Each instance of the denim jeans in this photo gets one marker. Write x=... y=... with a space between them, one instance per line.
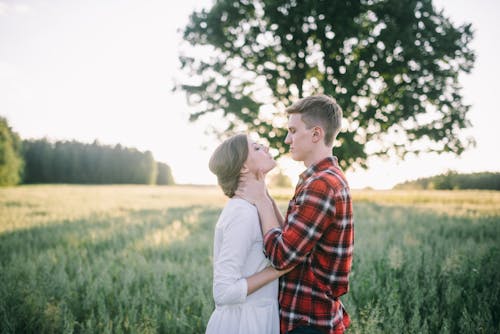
x=305 y=330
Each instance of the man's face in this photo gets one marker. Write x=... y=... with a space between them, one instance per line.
x=299 y=138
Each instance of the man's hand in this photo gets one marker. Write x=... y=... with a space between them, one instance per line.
x=252 y=187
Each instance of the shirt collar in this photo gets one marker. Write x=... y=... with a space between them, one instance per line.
x=319 y=166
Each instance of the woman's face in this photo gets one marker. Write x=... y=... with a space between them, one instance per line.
x=258 y=158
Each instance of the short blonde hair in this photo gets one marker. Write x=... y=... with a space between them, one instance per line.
x=227 y=161
x=320 y=110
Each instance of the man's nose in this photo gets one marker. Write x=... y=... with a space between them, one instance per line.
x=287 y=139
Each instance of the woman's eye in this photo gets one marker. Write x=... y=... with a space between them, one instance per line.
x=258 y=147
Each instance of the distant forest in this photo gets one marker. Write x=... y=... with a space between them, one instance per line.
x=42 y=161
x=74 y=162
x=453 y=180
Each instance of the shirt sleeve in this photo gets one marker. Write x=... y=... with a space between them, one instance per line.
x=306 y=221
x=230 y=287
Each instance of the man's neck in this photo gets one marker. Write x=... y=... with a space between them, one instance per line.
x=318 y=156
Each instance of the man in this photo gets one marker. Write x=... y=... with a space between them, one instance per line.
x=317 y=235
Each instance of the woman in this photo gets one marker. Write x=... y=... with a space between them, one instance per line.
x=245 y=287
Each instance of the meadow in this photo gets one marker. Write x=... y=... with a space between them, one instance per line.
x=137 y=259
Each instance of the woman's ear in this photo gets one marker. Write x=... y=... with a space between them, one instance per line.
x=244 y=169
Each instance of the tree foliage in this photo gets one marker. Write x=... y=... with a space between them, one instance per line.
x=164 y=176
x=453 y=180
x=392 y=65
x=74 y=162
x=280 y=180
x=11 y=163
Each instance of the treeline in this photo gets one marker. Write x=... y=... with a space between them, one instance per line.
x=11 y=161
x=42 y=161
x=453 y=180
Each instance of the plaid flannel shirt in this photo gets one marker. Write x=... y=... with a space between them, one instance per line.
x=317 y=238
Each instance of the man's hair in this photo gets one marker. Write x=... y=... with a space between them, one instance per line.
x=227 y=160
x=319 y=110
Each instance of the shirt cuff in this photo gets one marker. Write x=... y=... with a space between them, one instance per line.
x=243 y=289
x=268 y=237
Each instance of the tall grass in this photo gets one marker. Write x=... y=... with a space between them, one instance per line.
x=421 y=271
x=136 y=259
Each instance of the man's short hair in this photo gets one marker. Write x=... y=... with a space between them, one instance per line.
x=319 y=110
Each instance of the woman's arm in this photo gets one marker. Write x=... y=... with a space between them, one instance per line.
x=263 y=277
x=240 y=231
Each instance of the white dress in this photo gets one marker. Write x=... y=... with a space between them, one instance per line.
x=238 y=254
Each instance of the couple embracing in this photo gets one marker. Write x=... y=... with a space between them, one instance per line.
x=277 y=274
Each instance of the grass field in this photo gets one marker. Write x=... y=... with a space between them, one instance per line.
x=137 y=259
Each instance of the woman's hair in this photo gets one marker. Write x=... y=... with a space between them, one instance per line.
x=227 y=160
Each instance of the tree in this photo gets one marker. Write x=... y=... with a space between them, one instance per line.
x=164 y=176
x=453 y=180
x=74 y=162
x=392 y=65
x=39 y=161
x=11 y=162
x=280 y=180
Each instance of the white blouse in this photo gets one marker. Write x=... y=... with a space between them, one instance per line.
x=238 y=253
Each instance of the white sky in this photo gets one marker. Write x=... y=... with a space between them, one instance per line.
x=104 y=69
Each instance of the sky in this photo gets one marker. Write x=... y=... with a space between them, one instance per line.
x=105 y=70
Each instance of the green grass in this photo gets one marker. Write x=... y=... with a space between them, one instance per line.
x=137 y=259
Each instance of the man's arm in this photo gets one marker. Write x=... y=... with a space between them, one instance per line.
x=269 y=219
x=277 y=212
x=308 y=217
x=291 y=245
x=253 y=189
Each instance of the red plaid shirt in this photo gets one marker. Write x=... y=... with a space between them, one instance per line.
x=317 y=238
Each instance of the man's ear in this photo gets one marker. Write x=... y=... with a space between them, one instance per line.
x=317 y=134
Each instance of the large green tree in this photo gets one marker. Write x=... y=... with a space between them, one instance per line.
x=392 y=65
x=11 y=162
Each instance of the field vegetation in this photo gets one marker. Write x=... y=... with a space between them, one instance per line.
x=137 y=259
x=453 y=181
